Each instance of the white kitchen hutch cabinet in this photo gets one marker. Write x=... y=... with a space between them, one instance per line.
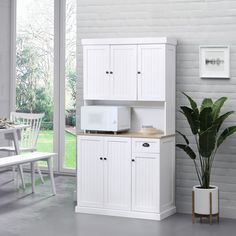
x=129 y=174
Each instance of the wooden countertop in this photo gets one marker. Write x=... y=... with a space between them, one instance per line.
x=127 y=135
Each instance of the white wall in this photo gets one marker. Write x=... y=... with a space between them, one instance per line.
x=192 y=23
x=5 y=60
x=5 y=27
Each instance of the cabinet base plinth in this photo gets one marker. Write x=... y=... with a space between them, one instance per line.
x=130 y=214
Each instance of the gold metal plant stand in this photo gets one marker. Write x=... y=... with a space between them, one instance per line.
x=201 y=216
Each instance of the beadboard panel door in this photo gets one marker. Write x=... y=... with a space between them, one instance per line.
x=124 y=72
x=151 y=72
x=91 y=169
x=145 y=182
x=117 y=173
x=96 y=72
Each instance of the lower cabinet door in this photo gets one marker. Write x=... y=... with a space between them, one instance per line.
x=90 y=171
x=117 y=173
x=145 y=182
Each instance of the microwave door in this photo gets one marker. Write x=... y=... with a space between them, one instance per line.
x=95 y=120
x=98 y=120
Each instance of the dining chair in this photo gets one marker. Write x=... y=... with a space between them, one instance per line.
x=29 y=136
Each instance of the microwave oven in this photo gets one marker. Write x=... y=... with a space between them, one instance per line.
x=105 y=118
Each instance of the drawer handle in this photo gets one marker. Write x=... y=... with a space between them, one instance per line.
x=146 y=145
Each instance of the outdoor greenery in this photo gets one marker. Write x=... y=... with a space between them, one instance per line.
x=45 y=144
x=205 y=123
x=33 y=89
x=35 y=58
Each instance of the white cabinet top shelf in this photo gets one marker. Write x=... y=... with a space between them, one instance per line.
x=117 y=41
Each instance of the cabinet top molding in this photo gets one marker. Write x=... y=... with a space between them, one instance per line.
x=105 y=41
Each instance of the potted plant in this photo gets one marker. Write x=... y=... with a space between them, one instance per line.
x=205 y=123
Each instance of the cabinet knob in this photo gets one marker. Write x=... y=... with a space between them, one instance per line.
x=101 y=158
x=107 y=72
x=133 y=160
x=111 y=72
x=105 y=158
x=139 y=72
x=146 y=145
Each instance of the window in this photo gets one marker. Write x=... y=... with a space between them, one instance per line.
x=41 y=28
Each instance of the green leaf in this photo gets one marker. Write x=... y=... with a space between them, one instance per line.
x=188 y=150
x=207 y=102
x=219 y=121
x=225 y=134
x=185 y=138
x=192 y=118
x=217 y=107
x=191 y=101
x=205 y=118
x=207 y=141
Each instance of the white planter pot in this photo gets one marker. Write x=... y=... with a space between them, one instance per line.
x=202 y=200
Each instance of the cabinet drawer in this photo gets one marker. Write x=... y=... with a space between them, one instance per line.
x=145 y=145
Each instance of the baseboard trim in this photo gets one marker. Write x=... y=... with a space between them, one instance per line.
x=129 y=214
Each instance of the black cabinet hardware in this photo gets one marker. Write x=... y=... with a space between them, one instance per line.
x=111 y=72
x=101 y=158
x=146 y=145
x=105 y=158
x=107 y=72
x=139 y=72
x=133 y=160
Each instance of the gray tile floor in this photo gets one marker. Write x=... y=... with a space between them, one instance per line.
x=26 y=214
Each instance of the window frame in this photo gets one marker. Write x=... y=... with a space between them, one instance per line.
x=58 y=81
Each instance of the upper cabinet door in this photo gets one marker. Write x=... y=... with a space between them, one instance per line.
x=117 y=173
x=151 y=72
x=124 y=72
x=96 y=72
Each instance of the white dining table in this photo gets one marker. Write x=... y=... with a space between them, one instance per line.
x=13 y=133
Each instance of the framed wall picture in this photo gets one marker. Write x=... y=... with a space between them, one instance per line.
x=214 y=61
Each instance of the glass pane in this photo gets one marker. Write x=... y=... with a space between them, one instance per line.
x=70 y=86
x=35 y=64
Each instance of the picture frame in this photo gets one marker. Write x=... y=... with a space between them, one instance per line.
x=214 y=62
